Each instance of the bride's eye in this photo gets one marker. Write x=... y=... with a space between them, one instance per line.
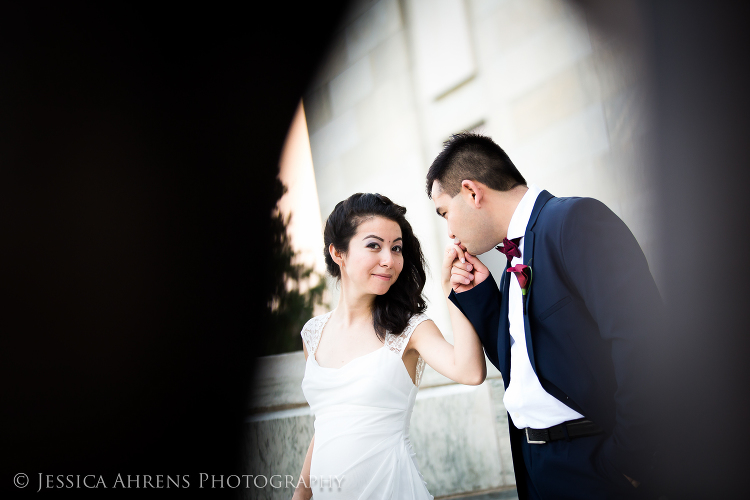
x=398 y=249
x=373 y=245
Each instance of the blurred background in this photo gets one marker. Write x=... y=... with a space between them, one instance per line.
x=151 y=305
x=565 y=98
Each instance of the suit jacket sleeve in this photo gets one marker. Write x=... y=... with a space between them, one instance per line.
x=481 y=306
x=607 y=267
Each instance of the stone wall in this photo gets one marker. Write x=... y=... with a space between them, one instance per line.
x=565 y=102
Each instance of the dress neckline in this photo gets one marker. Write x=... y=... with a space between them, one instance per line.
x=348 y=362
x=320 y=336
x=312 y=355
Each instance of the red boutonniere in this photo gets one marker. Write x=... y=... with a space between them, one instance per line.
x=523 y=273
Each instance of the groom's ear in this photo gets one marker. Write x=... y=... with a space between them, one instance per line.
x=473 y=191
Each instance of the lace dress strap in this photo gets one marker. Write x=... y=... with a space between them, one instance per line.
x=312 y=330
x=397 y=343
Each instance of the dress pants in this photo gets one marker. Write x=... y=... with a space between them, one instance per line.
x=573 y=470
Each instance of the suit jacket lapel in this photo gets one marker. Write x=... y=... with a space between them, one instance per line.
x=503 y=338
x=528 y=258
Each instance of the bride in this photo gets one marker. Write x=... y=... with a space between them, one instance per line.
x=365 y=358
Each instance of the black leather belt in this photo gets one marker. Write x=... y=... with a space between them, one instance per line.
x=575 y=428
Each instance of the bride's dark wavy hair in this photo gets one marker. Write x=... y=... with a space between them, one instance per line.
x=392 y=310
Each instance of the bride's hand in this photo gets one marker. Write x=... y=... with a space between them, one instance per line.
x=461 y=276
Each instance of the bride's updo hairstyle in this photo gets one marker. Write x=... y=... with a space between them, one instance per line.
x=392 y=310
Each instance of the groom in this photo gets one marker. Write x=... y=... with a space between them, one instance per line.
x=569 y=323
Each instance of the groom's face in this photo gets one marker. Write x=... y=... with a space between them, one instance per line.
x=466 y=223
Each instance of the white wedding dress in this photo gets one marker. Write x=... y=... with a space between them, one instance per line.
x=362 y=412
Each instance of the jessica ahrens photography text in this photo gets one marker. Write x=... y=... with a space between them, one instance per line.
x=172 y=481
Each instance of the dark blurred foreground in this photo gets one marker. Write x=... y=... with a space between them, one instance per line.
x=138 y=150
x=703 y=160
x=138 y=147
x=700 y=94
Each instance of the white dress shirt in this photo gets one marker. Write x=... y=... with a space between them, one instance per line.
x=528 y=404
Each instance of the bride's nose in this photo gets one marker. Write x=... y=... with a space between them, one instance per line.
x=386 y=258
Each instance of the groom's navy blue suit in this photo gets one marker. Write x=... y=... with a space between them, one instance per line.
x=592 y=310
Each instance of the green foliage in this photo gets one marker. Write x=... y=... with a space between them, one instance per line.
x=295 y=290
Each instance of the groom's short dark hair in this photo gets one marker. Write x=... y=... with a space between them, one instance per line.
x=474 y=157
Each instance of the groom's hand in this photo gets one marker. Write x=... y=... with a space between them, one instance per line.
x=462 y=276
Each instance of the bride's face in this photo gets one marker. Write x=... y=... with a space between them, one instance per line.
x=374 y=259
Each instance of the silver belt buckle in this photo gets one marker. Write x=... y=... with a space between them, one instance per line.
x=528 y=439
